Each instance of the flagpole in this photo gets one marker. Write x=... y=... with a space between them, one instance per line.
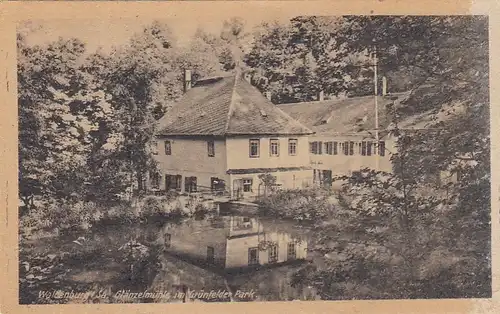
x=375 y=82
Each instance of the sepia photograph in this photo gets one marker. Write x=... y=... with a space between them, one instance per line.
x=309 y=158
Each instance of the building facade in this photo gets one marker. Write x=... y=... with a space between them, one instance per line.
x=223 y=135
x=346 y=138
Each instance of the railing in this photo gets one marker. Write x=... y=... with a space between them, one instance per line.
x=200 y=190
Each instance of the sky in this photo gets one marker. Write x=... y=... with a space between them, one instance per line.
x=107 y=33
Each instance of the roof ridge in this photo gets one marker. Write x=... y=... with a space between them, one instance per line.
x=211 y=79
x=335 y=101
x=286 y=115
x=231 y=105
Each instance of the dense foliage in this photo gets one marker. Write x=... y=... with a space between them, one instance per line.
x=422 y=231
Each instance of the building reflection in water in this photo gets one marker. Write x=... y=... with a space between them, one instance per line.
x=233 y=243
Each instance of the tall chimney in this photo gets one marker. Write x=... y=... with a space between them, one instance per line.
x=187 y=80
x=268 y=95
x=384 y=86
x=321 y=95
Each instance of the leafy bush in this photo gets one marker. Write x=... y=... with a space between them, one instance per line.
x=62 y=217
x=152 y=205
x=308 y=205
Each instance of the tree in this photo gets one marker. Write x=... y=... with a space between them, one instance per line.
x=301 y=58
x=402 y=231
x=268 y=181
x=61 y=110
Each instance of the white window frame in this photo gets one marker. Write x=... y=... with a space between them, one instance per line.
x=274 y=144
x=292 y=142
x=257 y=144
x=248 y=182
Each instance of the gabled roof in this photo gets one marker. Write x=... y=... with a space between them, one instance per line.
x=225 y=106
x=346 y=116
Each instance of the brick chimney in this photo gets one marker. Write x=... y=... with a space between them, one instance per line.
x=268 y=95
x=384 y=86
x=187 y=80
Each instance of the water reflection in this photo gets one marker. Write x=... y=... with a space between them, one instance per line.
x=239 y=254
x=234 y=243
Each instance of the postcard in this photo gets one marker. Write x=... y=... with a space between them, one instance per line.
x=281 y=156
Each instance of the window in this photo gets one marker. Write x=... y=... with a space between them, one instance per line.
x=155 y=180
x=211 y=148
x=178 y=182
x=363 y=148
x=242 y=223
x=168 y=148
x=327 y=178
x=217 y=184
x=173 y=182
x=329 y=148
x=167 y=239
x=273 y=253
x=381 y=148
x=253 y=256
x=190 y=184
x=254 y=148
x=291 y=254
x=274 y=148
x=213 y=183
x=154 y=148
x=316 y=148
x=247 y=185
x=292 y=147
x=169 y=182
x=210 y=255
x=335 y=149
x=348 y=148
x=366 y=148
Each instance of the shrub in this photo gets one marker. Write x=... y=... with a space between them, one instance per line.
x=62 y=216
x=301 y=205
x=152 y=206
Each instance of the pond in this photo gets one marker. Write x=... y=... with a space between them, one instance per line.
x=250 y=257
x=214 y=258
